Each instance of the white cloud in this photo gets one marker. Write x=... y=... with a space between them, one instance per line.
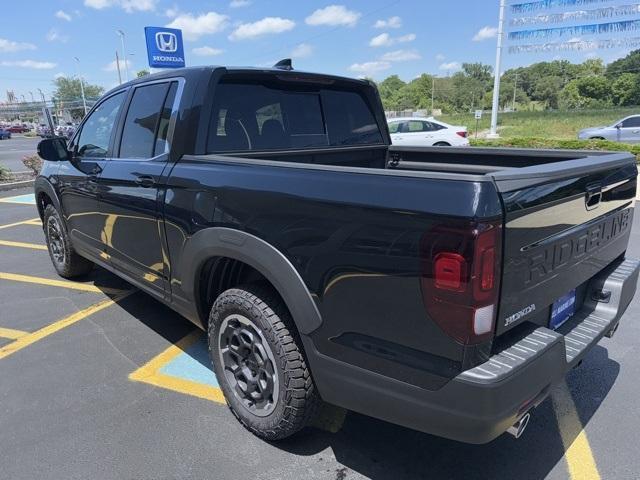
x=266 y=26
x=172 y=12
x=193 y=27
x=302 y=50
x=239 y=3
x=370 y=68
x=440 y=57
x=28 y=64
x=10 y=46
x=386 y=40
x=400 y=56
x=382 y=40
x=333 y=15
x=113 y=66
x=485 y=33
x=392 y=22
x=206 y=51
x=62 y=15
x=128 y=6
x=450 y=66
x=54 y=35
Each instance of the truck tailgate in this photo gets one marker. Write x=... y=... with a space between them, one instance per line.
x=564 y=223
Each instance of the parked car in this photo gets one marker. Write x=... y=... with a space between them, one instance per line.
x=18 y=129
x=67 y=130
x=444 y=289
x=626 y=130
x=426 y=132
x=43 y=131
x=4 y=133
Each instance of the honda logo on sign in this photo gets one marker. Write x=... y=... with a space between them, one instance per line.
x=164 y=47
x=166 y=42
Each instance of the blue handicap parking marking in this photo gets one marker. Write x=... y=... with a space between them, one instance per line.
x=193 y=365
x=28 y=199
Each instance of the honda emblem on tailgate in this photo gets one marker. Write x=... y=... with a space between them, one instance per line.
x=166 y=42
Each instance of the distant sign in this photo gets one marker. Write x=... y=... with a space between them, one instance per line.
x=164 y=47
x=478 y=114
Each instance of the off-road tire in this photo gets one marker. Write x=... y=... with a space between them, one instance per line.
x=297 y=398
x=65 y=260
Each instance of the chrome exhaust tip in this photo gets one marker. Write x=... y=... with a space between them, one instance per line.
x=517 y=429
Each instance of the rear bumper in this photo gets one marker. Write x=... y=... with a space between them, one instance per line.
x=481 y=403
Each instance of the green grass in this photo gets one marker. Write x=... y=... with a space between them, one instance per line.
x=542 y=124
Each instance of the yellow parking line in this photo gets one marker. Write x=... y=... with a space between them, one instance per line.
x=12 y=334
x=85 y=287
x=23 y=222
x=38 y=335
x=150 y=373
x=578 y=454
x=33 y=246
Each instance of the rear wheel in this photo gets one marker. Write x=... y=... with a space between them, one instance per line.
x=65 y=260
x=259 y=362
x=441 y=144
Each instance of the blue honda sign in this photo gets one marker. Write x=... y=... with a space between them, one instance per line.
x=164 y=47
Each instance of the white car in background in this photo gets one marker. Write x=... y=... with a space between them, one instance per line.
x=426 y=132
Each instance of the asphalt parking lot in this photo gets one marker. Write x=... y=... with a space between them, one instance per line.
x=12 y=150
x=100 y=381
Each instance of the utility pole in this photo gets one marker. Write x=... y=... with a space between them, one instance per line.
x=118 y=67
x=84 y=100
x=496 y=73
x=124 y=54
x=515 y=89
x=433 y=90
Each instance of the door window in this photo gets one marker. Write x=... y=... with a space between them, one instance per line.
x=162 y=140
x=93 y=141
x=632 y=122
x=143 y=118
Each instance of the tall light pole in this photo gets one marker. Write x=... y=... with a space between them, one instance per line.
x=496 y=73
x=84 y=100
x=32 y=100
x=515 y=89
x=433 y=91
x=124 y=55
x=44 y=100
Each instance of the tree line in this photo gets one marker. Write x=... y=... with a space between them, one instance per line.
x=559 y=84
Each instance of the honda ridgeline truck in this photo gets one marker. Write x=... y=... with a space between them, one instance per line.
x=443 y=289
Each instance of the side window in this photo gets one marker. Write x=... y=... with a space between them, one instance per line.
x=632 y=122
x=393 y=127
x=93 y=141
x=416 y=126
x=162 y=142
x=141 y=122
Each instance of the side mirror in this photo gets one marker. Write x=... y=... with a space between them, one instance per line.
x=619 y=126
x=53 y=149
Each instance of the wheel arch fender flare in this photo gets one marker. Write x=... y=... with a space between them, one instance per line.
x=255 y=252
x=42 y=185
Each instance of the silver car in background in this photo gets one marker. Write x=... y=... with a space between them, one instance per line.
x=626 y=130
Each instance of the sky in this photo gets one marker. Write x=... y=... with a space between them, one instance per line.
x=40 y=38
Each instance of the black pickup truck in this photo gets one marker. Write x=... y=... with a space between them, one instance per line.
x=446 y=290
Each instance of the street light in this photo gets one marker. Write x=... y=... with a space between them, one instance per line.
x=124 y=54
x=496 y=82
x=84 y=101
x=44 y=100
x=32 y=100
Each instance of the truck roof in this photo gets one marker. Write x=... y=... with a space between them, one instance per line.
x=210 y=69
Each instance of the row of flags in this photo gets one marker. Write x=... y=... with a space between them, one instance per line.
x=550 y=35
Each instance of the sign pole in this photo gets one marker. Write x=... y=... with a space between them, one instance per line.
x=496 y=82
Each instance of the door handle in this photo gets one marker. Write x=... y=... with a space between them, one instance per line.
x=145 y=181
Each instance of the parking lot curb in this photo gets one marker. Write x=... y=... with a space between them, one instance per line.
x=14 y=185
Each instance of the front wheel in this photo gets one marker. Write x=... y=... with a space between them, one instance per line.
x=65 y=260
x=441 y=144
x=258 y=360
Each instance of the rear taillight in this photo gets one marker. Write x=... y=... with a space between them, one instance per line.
x=460 y=278
x=462 y=134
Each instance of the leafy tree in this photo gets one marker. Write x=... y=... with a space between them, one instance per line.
x=587 y=92
x=547 y=90
x=625 y=90
x=142 y=73
x=478 y=71
x=68 y=91
x=628 y=64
